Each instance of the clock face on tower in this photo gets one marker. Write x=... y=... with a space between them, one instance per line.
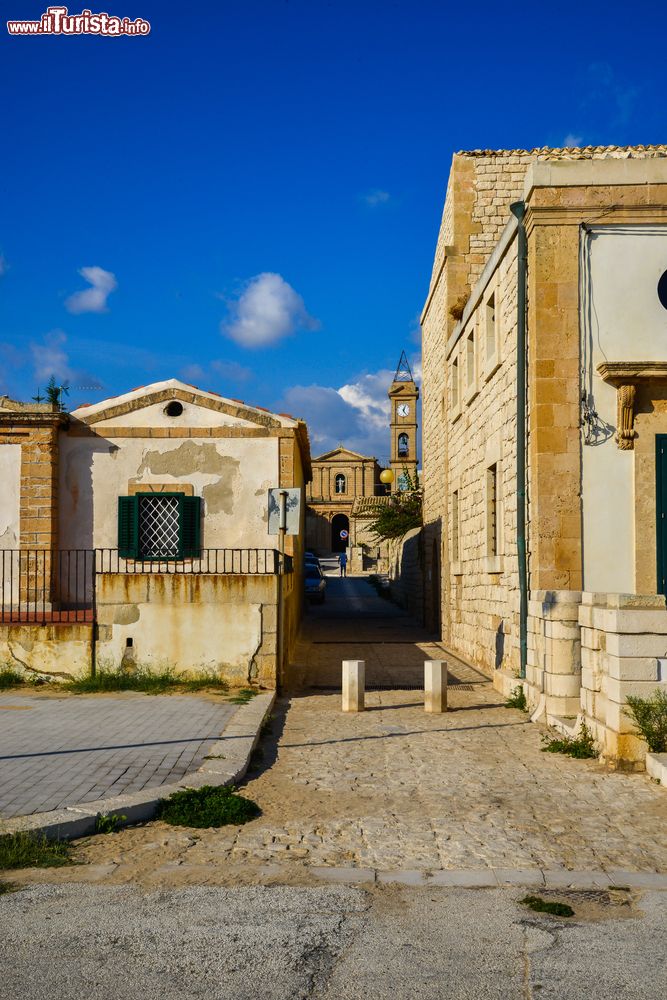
x=403 y=409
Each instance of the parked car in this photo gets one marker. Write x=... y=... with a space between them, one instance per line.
x=315 y=584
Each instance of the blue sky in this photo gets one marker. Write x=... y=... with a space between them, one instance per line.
x=249 y=197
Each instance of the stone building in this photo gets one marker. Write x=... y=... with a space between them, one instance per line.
x=545 y=405
x=346 y=489
x=135 y=530
x=340 y=477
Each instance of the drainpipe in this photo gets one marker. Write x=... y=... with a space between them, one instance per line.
x=518 y=209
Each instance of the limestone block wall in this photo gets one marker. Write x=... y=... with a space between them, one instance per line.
x=553 y=669
x=405 y=572
x=623 y=652
x=480 y=591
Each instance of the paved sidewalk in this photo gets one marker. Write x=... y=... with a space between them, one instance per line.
x=460 y=799
x=57 y=752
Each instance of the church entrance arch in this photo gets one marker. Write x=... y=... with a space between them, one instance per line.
x=339 y=522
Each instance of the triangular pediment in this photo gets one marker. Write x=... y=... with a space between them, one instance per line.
x=342 y=454
x=147 y=406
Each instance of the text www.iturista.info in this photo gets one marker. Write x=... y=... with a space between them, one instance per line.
x=58 y=21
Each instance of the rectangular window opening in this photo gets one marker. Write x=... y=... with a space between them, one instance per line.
x=455 y=384
x=456 y=538
x=491 y=328
x=493 y=519
x=470 y=359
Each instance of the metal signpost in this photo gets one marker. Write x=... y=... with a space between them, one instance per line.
x=284 y=519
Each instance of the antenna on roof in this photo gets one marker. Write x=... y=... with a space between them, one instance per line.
x=403 y=372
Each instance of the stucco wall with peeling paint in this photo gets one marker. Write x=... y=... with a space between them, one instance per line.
x=232 y=475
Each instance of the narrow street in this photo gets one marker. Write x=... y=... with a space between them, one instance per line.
x=389 y=859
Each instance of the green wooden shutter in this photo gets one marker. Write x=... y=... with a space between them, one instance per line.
x=190 y=527
x=128 y=527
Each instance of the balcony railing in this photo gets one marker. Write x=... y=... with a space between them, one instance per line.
x=46 y=587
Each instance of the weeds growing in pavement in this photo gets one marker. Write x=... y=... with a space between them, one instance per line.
x=143 y=679
x=581 y=746
x=6 y=887
x=10 y=678
x=25 y=850
x=517 y=699
x=540 y=905
x=207 y=807
x=243 y=696
x=108 y=822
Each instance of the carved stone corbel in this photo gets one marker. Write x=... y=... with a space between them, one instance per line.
x=625 y=421
x=626 y=376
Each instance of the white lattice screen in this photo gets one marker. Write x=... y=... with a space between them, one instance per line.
x=158 y=527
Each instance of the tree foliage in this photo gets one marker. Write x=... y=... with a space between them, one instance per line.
x=402 y=512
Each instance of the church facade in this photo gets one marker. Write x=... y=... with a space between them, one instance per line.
x=347 y=488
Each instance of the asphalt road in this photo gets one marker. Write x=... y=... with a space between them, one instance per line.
x=328 y=943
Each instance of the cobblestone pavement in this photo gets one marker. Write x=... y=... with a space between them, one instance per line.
x=56 y=752
x=396 y=789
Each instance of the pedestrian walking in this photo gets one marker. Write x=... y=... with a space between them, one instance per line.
x=342 y=562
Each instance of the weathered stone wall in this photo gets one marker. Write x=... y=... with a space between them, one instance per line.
x=225 y=624
x=406 y=572
x=623 y=652
x=59 y=650
x=481 y=431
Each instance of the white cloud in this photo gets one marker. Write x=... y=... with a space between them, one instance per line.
x=93 y=299
x=3 y=265
x=357 y=414
x=376 y=197
x=49 y=357
x=267 y=311
x=230 y=371
x=572 y=140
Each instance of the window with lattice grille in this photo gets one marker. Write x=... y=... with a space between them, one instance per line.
x=159 y=526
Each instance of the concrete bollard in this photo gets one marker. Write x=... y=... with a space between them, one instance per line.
x=354 y=683
x=435 y=685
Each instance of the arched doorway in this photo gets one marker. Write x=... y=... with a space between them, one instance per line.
x=339 y=522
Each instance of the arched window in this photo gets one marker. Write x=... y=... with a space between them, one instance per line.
x=403 y=446
x=340 y=483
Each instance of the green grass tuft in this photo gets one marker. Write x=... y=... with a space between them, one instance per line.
x=6 y=887
x=24 y=850
x=517 y=699
x=207 y=807
x=243 y=696
x=143 y=679
x=10 y=678
x=650 y=717
x=108 y=822
x=581 y=746
x=540 y=905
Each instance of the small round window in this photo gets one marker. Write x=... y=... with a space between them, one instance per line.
x=662 y=290
x=173 y=409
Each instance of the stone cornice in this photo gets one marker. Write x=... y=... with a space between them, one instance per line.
x=622 y=372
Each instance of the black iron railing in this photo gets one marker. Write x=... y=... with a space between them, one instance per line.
x=44 y=586
x=40 y=586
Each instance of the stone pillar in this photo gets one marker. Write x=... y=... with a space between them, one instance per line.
x=623 y=652
x=435 y=685
x=354 y=683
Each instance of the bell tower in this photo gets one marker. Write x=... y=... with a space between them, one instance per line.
x=403 y=396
